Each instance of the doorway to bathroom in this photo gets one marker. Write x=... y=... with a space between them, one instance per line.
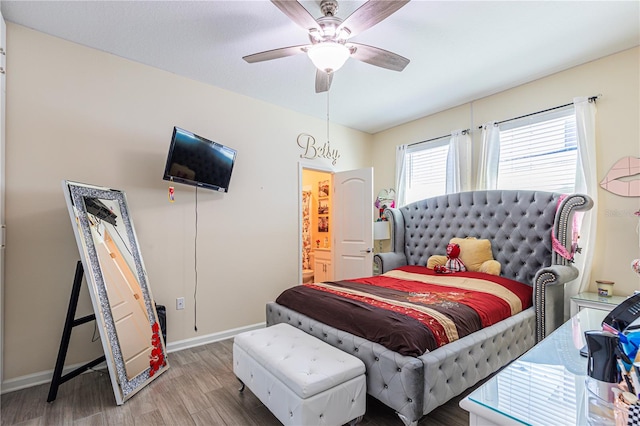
x=336 y=218
x=316 y=232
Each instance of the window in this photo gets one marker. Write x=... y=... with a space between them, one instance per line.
x=539 y=152
x=426 y=170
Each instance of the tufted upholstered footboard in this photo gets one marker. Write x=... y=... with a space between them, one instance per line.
x=415 y=386
x=453 y=368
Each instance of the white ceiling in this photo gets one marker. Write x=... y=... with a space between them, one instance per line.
x=459 y=50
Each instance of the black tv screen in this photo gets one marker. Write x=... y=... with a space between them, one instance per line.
x=194 y=160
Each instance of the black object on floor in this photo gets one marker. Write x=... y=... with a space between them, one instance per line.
x=162 y=319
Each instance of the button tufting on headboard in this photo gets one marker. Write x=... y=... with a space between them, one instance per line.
x=515 y=222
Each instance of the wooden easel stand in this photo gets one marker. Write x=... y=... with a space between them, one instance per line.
x=69 y=323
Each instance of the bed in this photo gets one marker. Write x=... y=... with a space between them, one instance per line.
x=414 y=380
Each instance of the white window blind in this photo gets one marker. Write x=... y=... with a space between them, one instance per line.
x=539 y=152
x=426 y=170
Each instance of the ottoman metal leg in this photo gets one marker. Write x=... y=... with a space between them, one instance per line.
x=355 y=421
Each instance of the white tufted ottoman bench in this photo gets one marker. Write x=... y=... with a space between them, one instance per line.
x=302 y=380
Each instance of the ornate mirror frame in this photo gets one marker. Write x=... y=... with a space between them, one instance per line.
x=97 y=213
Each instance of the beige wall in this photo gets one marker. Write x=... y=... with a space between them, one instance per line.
x=617 y=78
x=84 y=115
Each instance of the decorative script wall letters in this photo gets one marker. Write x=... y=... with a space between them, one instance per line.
x=312 y=151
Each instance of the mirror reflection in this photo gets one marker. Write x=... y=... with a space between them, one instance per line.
x=123 y=290
x=125 y=312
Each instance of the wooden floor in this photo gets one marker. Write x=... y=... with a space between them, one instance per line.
x=199 y=388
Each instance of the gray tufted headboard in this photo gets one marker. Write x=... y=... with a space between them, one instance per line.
x=518 y=224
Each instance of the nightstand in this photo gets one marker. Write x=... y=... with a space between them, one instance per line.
x=593 y=300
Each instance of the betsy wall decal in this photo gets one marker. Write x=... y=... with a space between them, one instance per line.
x=313 y=150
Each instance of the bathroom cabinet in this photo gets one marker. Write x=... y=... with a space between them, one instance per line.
x=322 y=268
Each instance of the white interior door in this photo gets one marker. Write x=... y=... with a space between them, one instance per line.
x=353 y=223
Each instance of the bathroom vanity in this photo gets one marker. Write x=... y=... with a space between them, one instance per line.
x=322 y=267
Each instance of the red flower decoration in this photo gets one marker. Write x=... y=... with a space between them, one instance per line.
x=156 y=359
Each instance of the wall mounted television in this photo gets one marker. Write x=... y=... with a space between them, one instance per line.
x=194 y=160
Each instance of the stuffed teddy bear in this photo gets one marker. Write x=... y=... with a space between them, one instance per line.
x=475 y=254
x=453 y=263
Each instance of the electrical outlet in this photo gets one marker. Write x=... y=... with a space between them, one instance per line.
x=180 y=303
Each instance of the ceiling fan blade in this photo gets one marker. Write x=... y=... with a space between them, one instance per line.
x=323 y=81
x=297 y=13
x=378 y=57
x=276 y=53
x=369 y=14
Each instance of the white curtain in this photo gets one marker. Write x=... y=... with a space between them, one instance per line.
x=586 y=183
x=401 y=193
x=459 y=162
x=489 y=157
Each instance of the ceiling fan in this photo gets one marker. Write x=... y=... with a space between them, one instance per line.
x=329 y=35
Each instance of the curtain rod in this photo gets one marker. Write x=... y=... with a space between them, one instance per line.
x=464 y=132
x=591 y=99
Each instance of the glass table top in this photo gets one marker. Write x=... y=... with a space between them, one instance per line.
x=546 y=385
x=595 y=297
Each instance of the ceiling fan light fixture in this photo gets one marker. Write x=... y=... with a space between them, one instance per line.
x=328 y=56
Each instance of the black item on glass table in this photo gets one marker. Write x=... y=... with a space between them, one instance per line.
x=623 y=315
x=602 y=364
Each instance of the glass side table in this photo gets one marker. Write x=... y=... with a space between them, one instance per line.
x=545 y=386
x=594 y=301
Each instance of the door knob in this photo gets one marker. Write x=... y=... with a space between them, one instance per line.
x=369 y=250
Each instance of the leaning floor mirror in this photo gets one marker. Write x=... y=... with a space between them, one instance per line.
x=125 y=312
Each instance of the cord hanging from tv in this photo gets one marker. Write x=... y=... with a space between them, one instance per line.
x=197 y=161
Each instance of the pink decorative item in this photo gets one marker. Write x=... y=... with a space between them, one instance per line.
x=385 y=198
x=614 y=180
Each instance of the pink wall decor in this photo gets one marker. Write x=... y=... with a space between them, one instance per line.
x=627 y=166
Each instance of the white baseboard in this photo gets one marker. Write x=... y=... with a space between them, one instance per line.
x=210 y=338
x=42 y=377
